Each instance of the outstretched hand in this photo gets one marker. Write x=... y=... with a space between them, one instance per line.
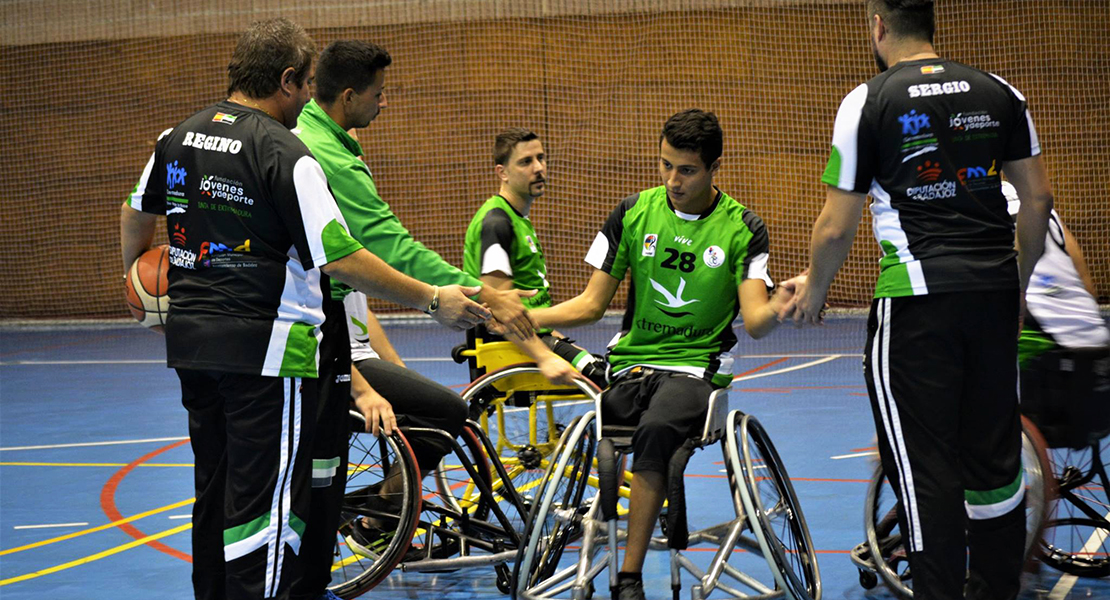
x=506 y=307
x=456 y=310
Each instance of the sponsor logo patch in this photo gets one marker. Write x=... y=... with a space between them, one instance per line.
x=933 y=191
x=928 y=172
x=913 y=123
x=714 y=256
x=971 y=121
x=979 y=178
x=650 y=241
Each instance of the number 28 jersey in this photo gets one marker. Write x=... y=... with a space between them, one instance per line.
x=686 y=270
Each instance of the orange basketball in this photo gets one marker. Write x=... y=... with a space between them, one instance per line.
x=147 y=283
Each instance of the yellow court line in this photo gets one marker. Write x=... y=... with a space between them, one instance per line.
x=98 y=556
x=70 y=536
x=54 y=464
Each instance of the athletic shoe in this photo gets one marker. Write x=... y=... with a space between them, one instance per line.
x=366 y=540
x=328 y=595
x=629 y=589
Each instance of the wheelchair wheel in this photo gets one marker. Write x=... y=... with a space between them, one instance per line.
x=555 y=519
x=452 y=505
x=1075 y=536
x=881 y=520
x=364 y=556
x=524 y=427
x=774 y=510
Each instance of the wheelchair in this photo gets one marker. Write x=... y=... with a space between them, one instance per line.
x=569 y=515
x=523 y=413
x=467 y=514
x=1067 y=393
x=884 y=538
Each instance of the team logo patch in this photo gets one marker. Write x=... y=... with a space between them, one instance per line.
x=649 y=244
x=531 y=243
x=713 y=256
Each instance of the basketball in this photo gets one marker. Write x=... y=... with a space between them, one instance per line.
x=147 y=283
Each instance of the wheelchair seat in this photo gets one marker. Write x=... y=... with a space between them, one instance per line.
x=1066 y=393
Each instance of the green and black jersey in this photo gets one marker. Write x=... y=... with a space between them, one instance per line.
x=500 y=239
x=686 y=272
x=250 y=221
x=927 y=140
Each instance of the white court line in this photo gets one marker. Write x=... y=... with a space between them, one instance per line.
x=811 y=363
x=49 y=525
x=180 y=517
x=1062 y=587
x=856 y=455
x=87 y=444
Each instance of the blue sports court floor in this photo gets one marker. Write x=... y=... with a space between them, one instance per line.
x=96 y=480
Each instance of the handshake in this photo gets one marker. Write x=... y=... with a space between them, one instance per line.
x=796 y=300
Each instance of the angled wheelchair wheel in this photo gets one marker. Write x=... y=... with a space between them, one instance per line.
x=376 y=527
x=1076 y=539
x=454 y=514
x=881 y=520
x=556 y=517
x=524 y=425
x=774 y=510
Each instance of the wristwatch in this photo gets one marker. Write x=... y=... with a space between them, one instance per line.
x=434 y=304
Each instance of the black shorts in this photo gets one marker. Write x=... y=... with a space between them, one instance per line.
x=667 y=408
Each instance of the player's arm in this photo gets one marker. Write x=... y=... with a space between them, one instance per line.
x=372 y=276
x=760 y=311
x=140 y=211
x=136 y=233
x=375 y=409
x=583 y=309
x=833 y=234
x=1071 y=246
x=1030 y=179
x=379 y=341
x=555 y=369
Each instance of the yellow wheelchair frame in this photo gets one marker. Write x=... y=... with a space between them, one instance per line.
x=518 y=453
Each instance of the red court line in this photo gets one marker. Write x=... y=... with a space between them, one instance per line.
x=867 y=449
x=108 y=502
x=761 y=367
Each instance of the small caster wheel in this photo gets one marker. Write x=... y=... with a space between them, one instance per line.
x=504 y=579
x=868 y=580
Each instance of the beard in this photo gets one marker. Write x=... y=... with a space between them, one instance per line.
x=879 y=62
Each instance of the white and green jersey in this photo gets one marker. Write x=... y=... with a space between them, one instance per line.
x=250 y=222
x=686 y=272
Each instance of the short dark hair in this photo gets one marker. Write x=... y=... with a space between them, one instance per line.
x=264 y=51
x=695 y=130
x=507 y=140
x=348 y=64
x=907 y=19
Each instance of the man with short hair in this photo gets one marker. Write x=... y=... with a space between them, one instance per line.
x=927 y=138
x=697 y=259
x=350 y=83
x=254 y=237
x=503 y=250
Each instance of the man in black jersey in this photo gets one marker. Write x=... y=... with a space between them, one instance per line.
x=254 y=237
x=928 y=139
